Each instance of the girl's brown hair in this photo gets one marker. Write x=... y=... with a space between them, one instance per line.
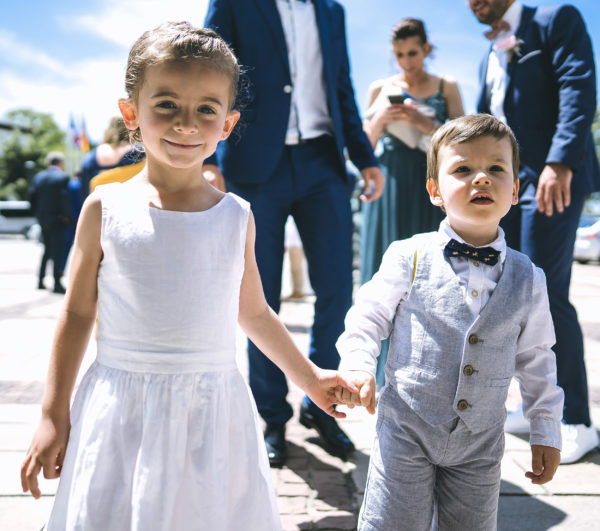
x=179 y=41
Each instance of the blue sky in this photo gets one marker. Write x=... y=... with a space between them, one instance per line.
x=67 y=56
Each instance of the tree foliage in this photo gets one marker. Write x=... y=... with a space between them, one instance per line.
x=38 y=135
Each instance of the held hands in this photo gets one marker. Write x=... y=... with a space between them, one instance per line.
x=365 y=383
x=554 y=188
x=544 y=462
x=46 y=452
x=325 y=389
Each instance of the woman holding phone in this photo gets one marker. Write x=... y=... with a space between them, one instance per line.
x=404 y=111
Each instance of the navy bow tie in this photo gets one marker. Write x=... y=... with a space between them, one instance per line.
x=487 y=255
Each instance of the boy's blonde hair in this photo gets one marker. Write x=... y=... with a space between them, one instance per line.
x=179 y=41
x=466 y=129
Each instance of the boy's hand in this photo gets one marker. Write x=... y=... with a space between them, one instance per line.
x=365 y=383
x=544 y=462
x=326 y=388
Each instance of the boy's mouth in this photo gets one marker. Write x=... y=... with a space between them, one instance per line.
x=482 y=199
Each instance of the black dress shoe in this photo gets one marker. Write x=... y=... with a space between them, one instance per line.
x=59 y=288
x=335 y=440
x=276 y=445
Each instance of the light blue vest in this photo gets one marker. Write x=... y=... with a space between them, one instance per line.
x=442 y=363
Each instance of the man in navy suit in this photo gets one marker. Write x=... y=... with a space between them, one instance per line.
x=539 y=77
x=298 y=115
x=51 y=204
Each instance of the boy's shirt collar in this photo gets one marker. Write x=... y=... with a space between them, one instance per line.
x=447 y=233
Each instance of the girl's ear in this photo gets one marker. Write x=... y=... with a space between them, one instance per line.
x=434 y=193
x=230 y=121
x=128 y=113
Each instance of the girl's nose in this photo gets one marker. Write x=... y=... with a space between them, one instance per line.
x=186 y=123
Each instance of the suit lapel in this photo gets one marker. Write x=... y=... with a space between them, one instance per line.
x=324 y=26
x=270 y=13
x=483 y=105
x=526 y=16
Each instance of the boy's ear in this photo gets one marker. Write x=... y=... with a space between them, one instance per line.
x=128 y=113
x=515 y=196
x=434 y=193
x=230 y=121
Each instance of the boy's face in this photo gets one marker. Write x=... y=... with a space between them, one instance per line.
x=476 y=186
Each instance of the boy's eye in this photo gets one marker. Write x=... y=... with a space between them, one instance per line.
x=165 y=105
x=205 y=109
x=497 y=168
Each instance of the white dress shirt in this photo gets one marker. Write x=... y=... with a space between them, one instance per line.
x=309 y=114
x=370 y=319
x=498 y=62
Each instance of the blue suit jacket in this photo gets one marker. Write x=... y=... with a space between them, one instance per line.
x=551 y=95
x=253 y=29
x=49 y=197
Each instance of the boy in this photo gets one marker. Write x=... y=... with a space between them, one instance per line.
x=464 y=314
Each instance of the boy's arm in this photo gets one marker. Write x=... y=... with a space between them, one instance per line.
x=264 y=328
x=535 y=369
x=71 y=337
x=369 y=321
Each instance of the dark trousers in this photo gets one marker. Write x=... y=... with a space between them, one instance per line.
x=53 y=237
x=309 y=186
x=549 y=242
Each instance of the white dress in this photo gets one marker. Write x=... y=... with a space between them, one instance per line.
x=165 y=433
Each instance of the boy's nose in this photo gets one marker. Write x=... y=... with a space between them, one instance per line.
x=481 y=177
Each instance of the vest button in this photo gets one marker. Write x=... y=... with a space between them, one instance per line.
x=468 y=370
x=462 y=405
x=473 y=339
x=474 y=293
x=475 y=263
x=287 y=89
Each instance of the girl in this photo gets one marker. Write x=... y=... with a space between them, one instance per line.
x=163 y=433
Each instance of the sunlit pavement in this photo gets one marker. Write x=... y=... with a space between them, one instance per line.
x=315 y=490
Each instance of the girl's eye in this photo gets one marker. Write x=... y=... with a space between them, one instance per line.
x=165 y=105
x=462 y=169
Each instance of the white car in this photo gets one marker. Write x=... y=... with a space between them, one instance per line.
x=16 y=218
x=587 y=240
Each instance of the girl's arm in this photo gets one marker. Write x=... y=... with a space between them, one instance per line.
x=74 y=325
x=375 y=125
x=262 y=325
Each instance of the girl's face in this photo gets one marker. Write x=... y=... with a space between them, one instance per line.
x=410 y=54
x=182 y=110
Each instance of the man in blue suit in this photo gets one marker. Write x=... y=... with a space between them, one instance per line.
x=298 y=115
x=539 y=77
x=51 y=204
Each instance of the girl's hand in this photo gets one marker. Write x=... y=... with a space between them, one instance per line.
x=365 y=383
x=410 y=113
x=46 y=452
x=391 y=113
x=325 y=388
x=544 y=462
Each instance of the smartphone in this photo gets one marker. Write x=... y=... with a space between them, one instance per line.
x=396 y=98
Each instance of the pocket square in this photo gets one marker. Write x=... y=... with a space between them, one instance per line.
x=528 y=56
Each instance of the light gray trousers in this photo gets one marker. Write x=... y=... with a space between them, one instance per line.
x=415 y=467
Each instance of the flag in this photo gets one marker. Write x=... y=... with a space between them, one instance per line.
x=73 y=133
x=84 y=142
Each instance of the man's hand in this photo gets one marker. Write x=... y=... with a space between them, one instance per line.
x=544 y=462
x=554 y=188
x=374 y=183
x=213 y=175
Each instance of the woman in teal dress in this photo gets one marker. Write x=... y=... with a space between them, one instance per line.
x=403 y=130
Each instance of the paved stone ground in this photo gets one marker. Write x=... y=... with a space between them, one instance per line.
x=315 y=490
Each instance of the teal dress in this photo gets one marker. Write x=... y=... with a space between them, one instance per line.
x=404 y=208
